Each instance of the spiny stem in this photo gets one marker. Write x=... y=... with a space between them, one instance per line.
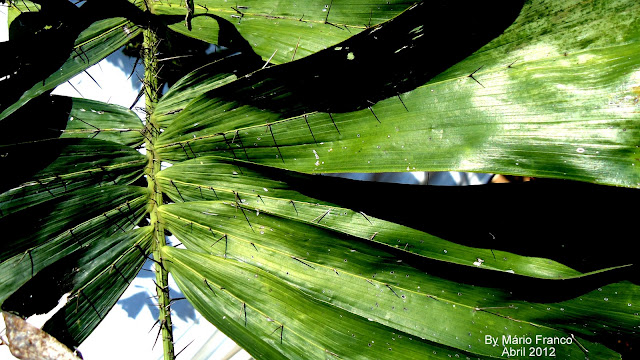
x=149 y=54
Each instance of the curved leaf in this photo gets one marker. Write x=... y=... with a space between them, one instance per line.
x=371 y=268
x=91 y=45
x=193 y=85
x=109 y=267
x=278 y=31
x=281 y=314
x=258 y=190
x=97 y=120
x=521 y=105
x=39 y=236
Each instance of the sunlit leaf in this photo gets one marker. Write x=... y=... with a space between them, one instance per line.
x=278 y=31
x=536 y=101
x=280 y=307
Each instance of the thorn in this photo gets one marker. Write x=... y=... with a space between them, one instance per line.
x=214 y=192
x=115 y=222
x=84 y=122
x=201 y=195
x=579 y=345
x=238 y=11
x=30 y=258
x=328 y=11
x=45 y=187
x=370 y=282
x=365 y=216
x=207 y=284
x=494 y=255
x=139 y=248
x=509 y=67
x=229 y=146
x=63 y=184
x=143 y=132
x=179 y=352
x=174 y=300
x=185 y=151
x=140 y=93
x=374 y=114
x=154 y=325
x=156 y=262
x=294 y=206
x=178 y=190
x=90 y=303
x=390 y=288
x=94 y=80
x=306 y=121
x=190 y=149
x=159 y=330
x=474 y=79
x=332 y=353
x=373 y=236
x=135 y=64
x=281 y=328
x=403 y=104
x=79 y=52
x=164 y=290
x=244 y=309
x=268 y=61
x=334 y=124
x=260 y=197
x=120 y=273
x=336 y=271
x=254 y=246
x=320 y=217
x=222 y=237
x=275 y=143
x=238 y=203
x=241 y=144
x=296 y=259
x=298 y=44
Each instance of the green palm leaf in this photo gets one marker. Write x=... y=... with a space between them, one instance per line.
x=289 y=271
x=91 y=45
x=510 y=108
x=248 y=219
x=277 y=31
x=69 y=210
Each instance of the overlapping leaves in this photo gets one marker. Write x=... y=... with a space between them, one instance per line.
x=253 y=223
x=289 y=274
x=521 y=105
x=278 y=31
x=69 y=210
x=253 y=236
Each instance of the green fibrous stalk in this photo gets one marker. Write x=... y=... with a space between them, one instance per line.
x=151 y=90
